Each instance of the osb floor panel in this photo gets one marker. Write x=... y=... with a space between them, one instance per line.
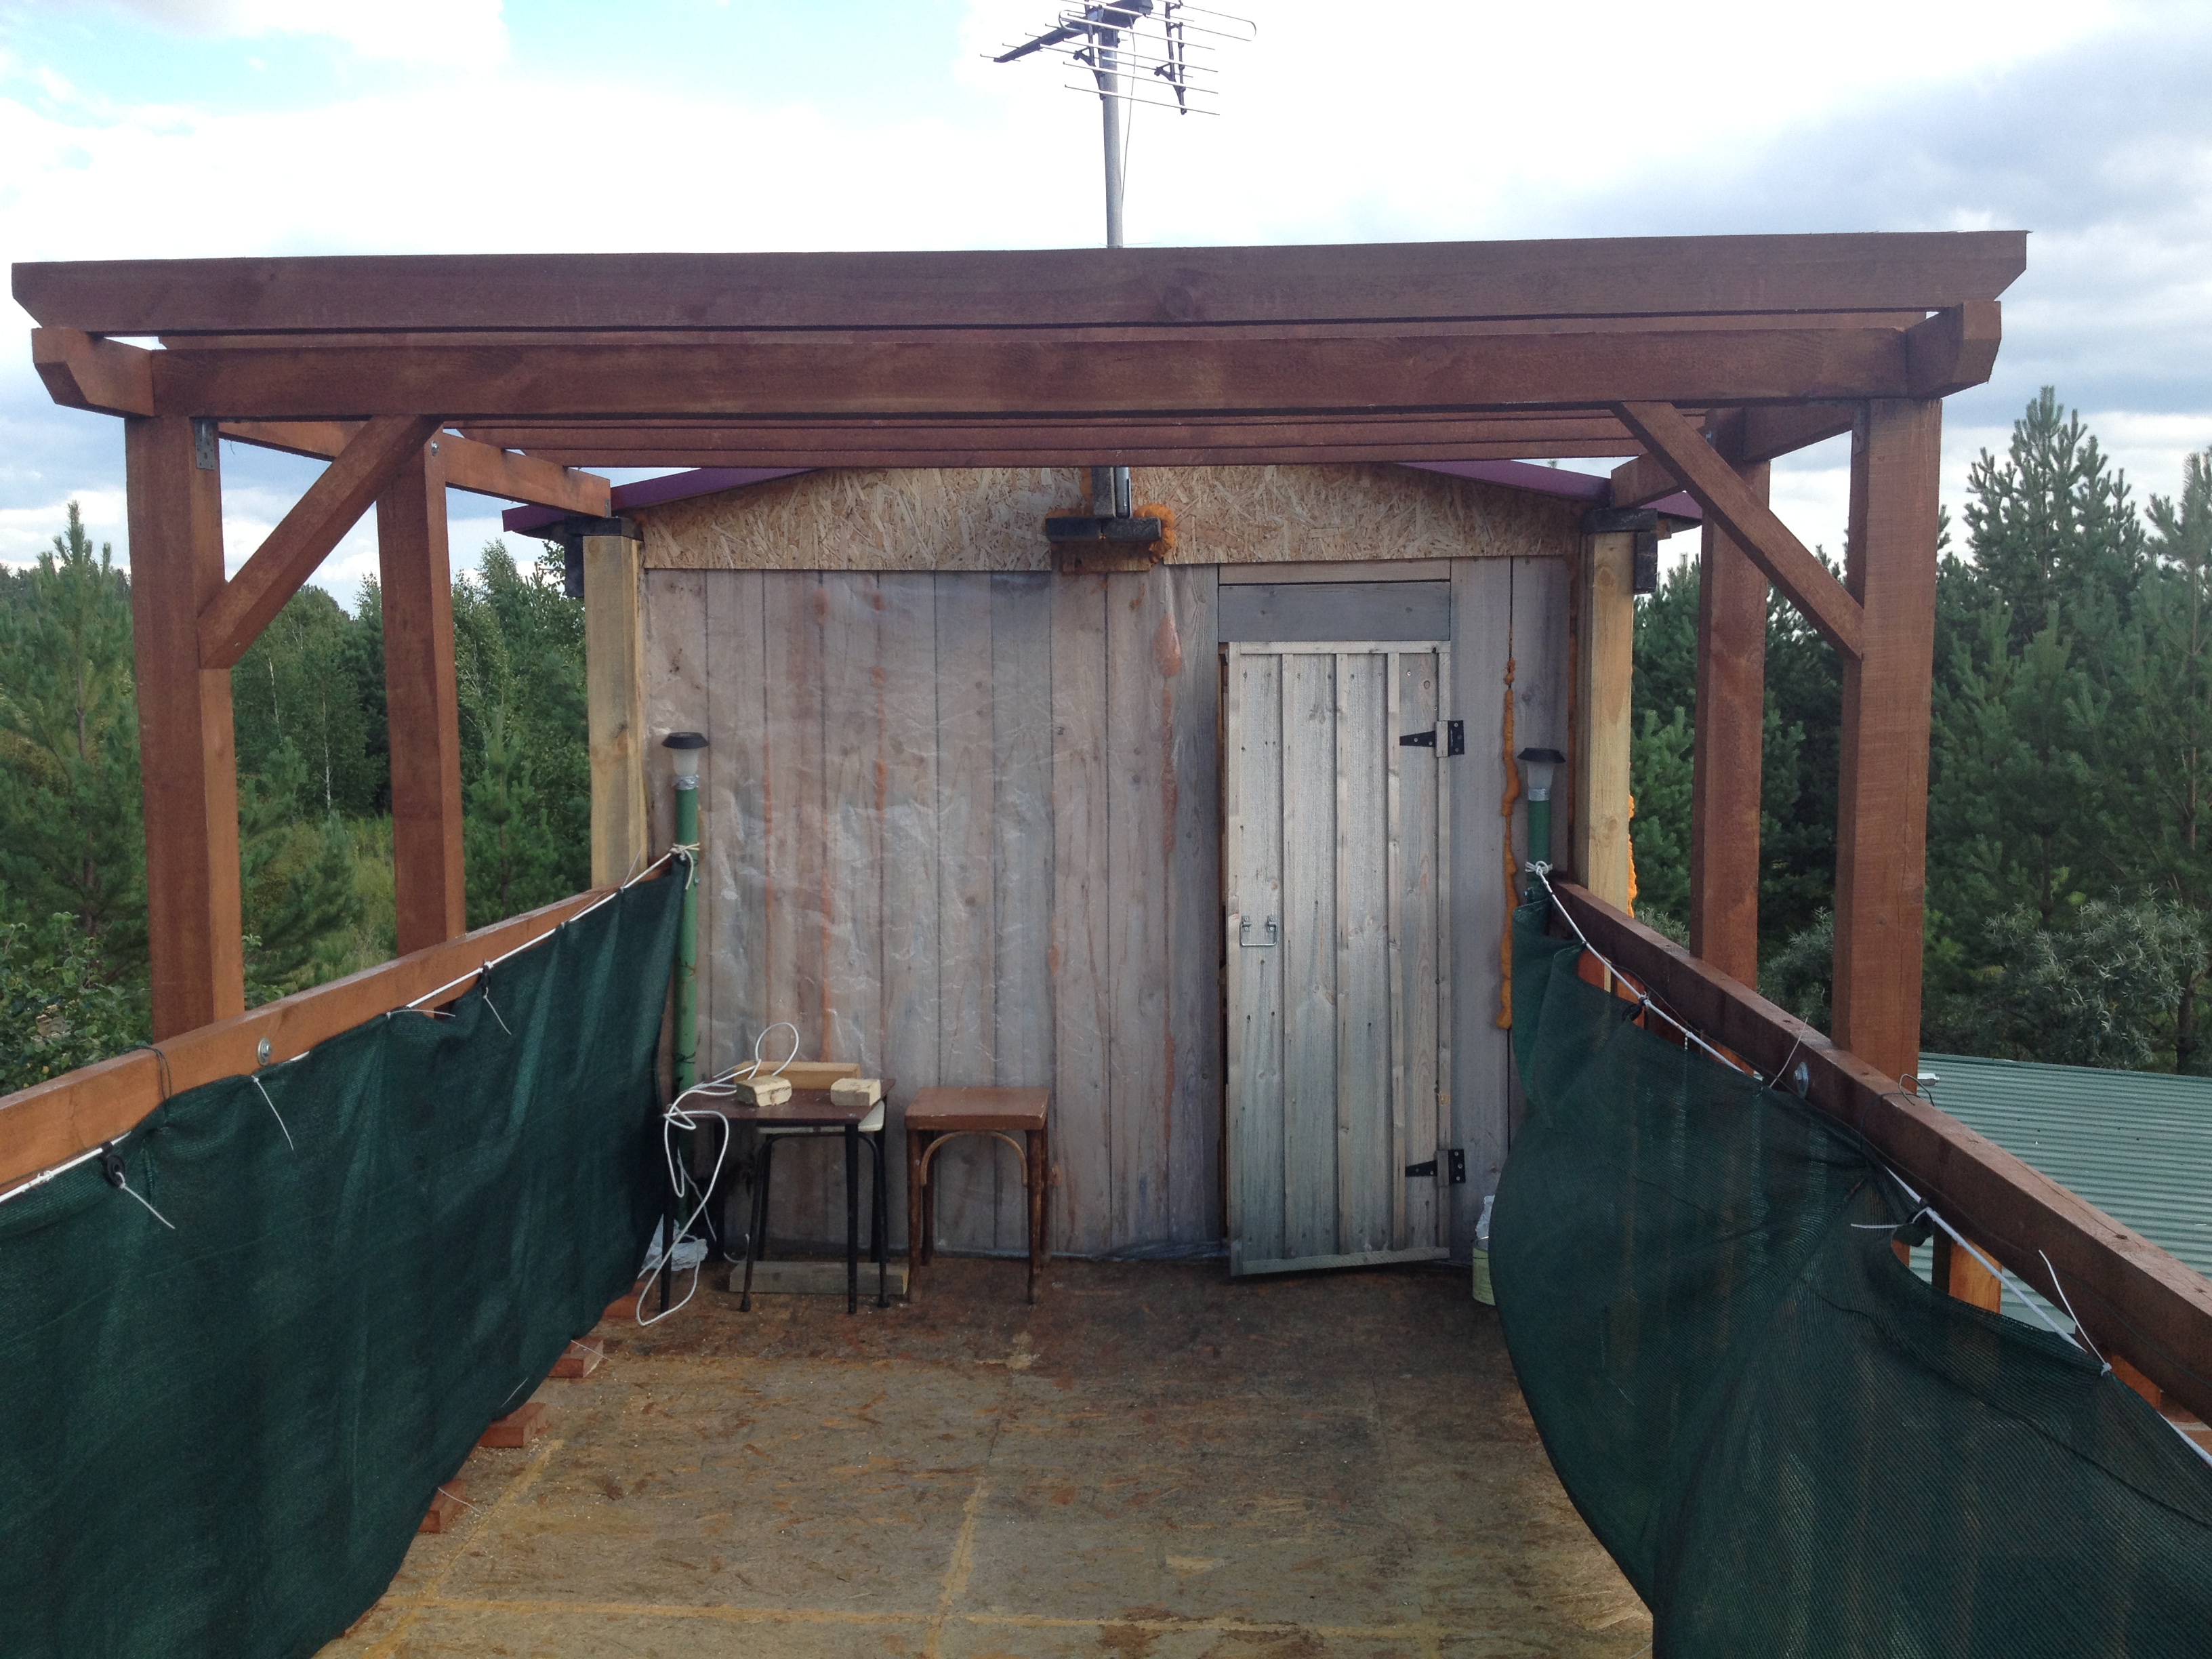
x=1153 y=1462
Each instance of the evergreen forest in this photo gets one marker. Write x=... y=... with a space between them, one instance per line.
x=2069 y=855
x=314 y=789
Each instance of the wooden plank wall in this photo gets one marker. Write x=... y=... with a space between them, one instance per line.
x=964 y=827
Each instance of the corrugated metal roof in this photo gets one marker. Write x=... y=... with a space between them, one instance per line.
x=2137 y=1144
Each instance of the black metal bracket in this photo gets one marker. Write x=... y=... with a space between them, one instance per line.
x=1418 y=739
x=1454 y=1166
x=1455 y=738
x=1427 y=1169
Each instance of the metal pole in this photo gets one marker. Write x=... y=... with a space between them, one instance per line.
x=687 y=940
x=1111 y=115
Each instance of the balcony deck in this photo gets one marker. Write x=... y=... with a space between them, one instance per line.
x=1153 y=1462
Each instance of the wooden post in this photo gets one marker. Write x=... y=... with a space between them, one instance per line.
x=614 y=678
x=422 y=704
x=1605 y=661
x=188 y=763
x=1730 y=731
x=1881 y=835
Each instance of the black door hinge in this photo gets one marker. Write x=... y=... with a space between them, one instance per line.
x=1455 y=738
x=1454 y=1165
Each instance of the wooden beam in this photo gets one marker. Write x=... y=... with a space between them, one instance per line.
x=1789 y=564
x=233 y=619
x=614 y=691
x=188 y=765
x=1084 y=379
x=1882 y=832
x=1639 y=481
x=422 y=703
x=1771 y=430
x=2134 y=1298
x=479 y=467
x=1611 y=276
x=53 y=1121
x=1731 y=730
x=104 y=376
x=1955 y=349
x=1605 y=665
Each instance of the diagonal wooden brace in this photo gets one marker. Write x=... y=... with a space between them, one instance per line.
x=1669 y=437
x=333 y=504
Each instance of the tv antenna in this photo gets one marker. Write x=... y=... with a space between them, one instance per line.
x=1137 y=52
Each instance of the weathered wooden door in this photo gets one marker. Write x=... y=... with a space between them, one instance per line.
x=1339 y=966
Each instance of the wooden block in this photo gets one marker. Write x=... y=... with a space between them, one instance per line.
x=814 y=1278
x=856 y=1091
x=443 y=1514
x=580 y=1361
x=520 y=1427
x=766 y=1091
x=625 y=1307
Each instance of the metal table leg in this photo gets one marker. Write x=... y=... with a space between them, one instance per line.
x=852 y=1217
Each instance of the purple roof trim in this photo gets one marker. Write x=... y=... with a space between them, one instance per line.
x=708 y=480
x=652 y=492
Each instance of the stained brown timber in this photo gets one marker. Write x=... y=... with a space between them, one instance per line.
x=2133 y=1297
x=978 y=374
x=1620 y=276
x=480 y=468
x=51 y=1122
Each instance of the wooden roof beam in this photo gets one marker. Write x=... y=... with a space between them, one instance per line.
x=1670 y=438
x=1654 y=275
x=249 y=601
x=104 y=376
x=480 y=468
x=791 y=378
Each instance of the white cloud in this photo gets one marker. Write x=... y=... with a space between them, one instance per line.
x=419 y=32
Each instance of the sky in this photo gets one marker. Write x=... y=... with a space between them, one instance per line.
x=177 y=128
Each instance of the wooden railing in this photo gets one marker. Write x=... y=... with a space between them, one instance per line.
x=2136 y=1301
x=51 y=1122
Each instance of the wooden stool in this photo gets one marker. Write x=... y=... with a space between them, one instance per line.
x=935 y=1116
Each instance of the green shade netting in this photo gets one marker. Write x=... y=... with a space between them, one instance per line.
x=220 y=1440
x=1790 y=1444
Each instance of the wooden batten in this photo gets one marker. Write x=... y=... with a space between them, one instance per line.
x=188 y=763
x=1725 y=768
x=614 y=681
x=423 y=700
x=1605 y=664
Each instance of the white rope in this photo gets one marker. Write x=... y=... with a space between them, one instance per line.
x=44 y=1175
x=273 y=1112
x=116 y=1179
x=1542 y=871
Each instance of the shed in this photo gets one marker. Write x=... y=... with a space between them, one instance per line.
x=972 y=818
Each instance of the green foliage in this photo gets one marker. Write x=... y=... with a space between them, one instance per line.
x=1659 y=780
x=59 y=1009
x=314 y=790
x=70 y=837
x=2070 y=767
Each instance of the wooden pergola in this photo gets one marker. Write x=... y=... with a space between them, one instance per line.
x=1704 y=358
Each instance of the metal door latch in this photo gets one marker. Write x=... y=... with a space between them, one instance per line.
x=1244 y=934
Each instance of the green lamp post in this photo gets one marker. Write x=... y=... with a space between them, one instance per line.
x=685 y=748
x=1537 y=765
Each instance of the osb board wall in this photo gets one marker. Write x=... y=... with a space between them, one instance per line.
x=990 y=519
x=965 y=828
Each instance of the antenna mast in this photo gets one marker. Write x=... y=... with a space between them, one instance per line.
x=1128 y=66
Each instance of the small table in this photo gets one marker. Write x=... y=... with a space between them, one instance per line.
x=934 y=1116
x=812 y=1112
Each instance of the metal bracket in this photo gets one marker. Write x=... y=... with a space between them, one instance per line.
x=1244 y=934
x=1455 y=1167
x=1455 y=738
x=203 y=437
